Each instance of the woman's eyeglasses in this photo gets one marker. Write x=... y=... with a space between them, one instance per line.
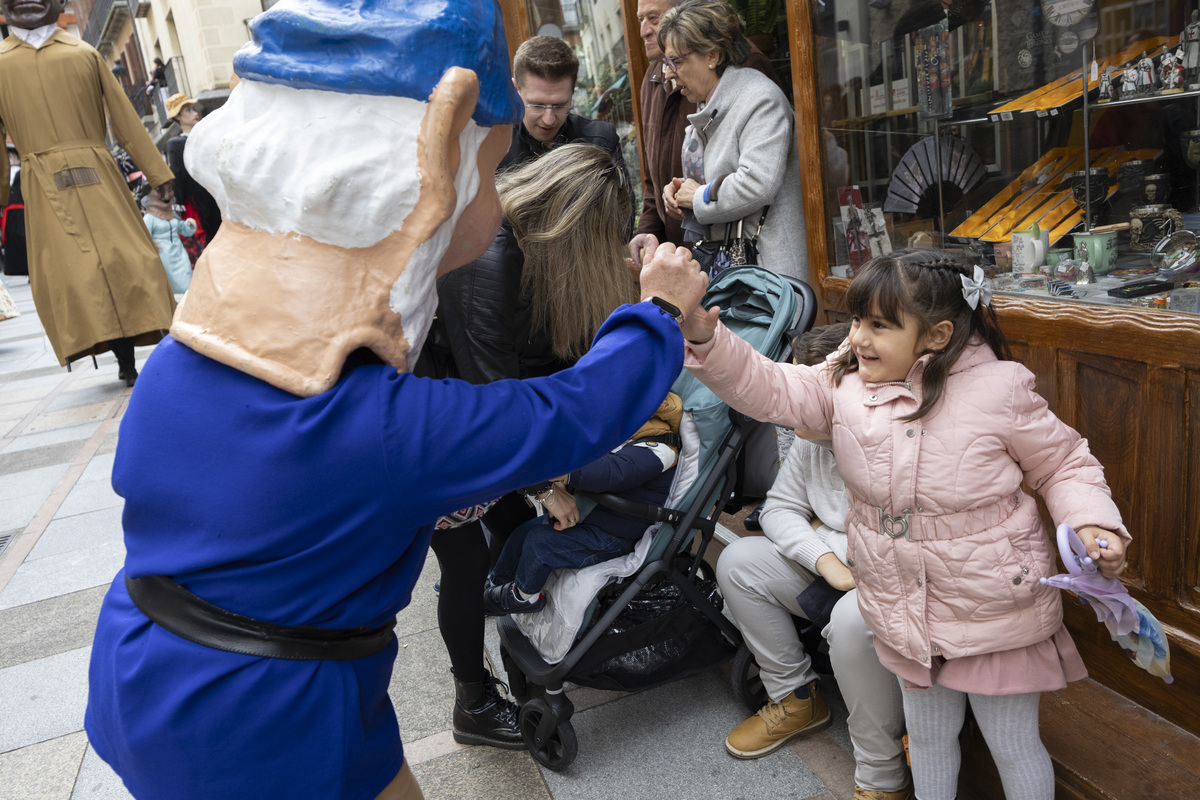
x=672 y=62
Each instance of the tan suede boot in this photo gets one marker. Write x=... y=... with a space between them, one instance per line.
x=777 y=723
x=875 y=794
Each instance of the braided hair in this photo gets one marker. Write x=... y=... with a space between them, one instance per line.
x=927 y=286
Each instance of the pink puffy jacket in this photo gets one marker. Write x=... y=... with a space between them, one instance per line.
x=945 y=546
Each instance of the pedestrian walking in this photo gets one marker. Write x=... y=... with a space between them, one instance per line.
x=169 y=231
x=197 y=203
x=94 y=271
x=12 y=221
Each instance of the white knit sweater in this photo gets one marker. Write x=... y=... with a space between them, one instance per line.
x=808 y=489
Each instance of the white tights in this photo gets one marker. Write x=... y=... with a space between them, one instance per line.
x=1010 y=727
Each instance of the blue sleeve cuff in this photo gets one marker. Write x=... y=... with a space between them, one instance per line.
x=707 y=189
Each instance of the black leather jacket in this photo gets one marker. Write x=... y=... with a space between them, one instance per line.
x=576 y=129
x=187 y=189
x=482 y=329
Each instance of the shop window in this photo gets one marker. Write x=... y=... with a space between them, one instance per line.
x=969 y=127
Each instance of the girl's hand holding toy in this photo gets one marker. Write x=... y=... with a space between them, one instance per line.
x=1105 y=548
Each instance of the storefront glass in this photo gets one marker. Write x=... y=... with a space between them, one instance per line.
x=961 y=124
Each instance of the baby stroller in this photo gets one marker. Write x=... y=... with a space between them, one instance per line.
x=654 y=615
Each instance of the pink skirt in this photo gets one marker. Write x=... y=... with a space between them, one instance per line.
x=1046 y=666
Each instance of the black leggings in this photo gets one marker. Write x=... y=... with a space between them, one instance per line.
x=463 y=556
x=462 y=553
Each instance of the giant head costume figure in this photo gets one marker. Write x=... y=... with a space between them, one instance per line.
x=346 y=183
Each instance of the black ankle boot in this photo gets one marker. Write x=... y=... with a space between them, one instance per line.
x=483 y=716
x=126 y=369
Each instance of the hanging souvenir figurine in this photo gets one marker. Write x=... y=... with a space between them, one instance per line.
x=1189 y=40
x=1171 y=71
x=1106 y=87
x=1145 y=75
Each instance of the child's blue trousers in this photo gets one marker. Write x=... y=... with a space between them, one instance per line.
x=535 y=549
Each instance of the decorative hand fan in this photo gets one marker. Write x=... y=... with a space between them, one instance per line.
x=923 y=165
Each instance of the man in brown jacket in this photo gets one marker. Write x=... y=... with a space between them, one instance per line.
x=96 y=279
x=664 y=117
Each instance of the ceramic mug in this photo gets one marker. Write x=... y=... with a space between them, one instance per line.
x=1149 y=224
x=1028 y=250
x=1096 y=181
x=1101 y=250
x=1056 y=255
x=1156 y=188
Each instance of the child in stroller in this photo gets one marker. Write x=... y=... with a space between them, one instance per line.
x=567 y=536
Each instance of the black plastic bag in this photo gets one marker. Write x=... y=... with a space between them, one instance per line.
x=657 y=638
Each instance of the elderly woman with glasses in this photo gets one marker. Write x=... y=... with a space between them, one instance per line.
x=740 y=152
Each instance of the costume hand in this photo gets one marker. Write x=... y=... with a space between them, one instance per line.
x=673 y=275
x=669 y=198
x=686 y=193
x=640 y=246
x=835 y=573
x=560 y=505
x=1110 y=560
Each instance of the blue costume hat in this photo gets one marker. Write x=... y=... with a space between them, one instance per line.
x=398 y=48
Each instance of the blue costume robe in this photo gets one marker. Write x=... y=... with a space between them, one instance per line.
x=317 y=511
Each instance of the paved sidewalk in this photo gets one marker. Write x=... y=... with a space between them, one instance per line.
x=61 y=544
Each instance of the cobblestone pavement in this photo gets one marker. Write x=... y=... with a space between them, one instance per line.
x=61 y=544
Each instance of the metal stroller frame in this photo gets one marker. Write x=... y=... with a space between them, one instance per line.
x=545 y=713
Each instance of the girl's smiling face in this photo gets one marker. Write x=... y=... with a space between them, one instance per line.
x=885 y=350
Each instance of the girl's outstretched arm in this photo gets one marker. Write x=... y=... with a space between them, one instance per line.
x=785 y=394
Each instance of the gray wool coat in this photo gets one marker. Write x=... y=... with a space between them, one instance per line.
x=749 y=134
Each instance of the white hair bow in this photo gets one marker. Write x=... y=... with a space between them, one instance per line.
x=976 y=289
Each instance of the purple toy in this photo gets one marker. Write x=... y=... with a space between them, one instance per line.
x=1129 y=623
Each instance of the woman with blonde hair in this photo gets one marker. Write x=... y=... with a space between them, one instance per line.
x=567 y=212
x=528 y=307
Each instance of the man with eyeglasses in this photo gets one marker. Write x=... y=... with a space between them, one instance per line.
x=544 y=72
x=664 y=117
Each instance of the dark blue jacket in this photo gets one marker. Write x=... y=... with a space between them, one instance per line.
x=633 y=472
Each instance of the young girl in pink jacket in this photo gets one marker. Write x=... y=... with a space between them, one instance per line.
x=934 y=431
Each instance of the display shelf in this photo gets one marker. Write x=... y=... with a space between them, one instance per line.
x=1150 y=98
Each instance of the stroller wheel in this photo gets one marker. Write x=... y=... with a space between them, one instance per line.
x=551 y=742
x=743 y=677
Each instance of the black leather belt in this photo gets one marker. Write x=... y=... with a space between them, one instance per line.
x=189 y=617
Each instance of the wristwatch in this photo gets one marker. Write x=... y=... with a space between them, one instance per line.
x=672 y=310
